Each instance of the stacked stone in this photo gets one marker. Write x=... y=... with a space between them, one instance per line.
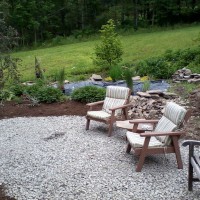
x=150 y=104
x=185 y=74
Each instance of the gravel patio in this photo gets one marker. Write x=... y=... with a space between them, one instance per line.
x=55 y=158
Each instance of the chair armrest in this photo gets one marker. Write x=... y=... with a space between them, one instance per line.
x=121 y=107
x=137 y=121
x=146 y=134
x=191 y=142
x=94 y=103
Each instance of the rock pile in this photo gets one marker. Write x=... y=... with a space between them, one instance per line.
x=185 y=75
x=150 y=104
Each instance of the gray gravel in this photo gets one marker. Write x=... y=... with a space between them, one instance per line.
x=55 y=158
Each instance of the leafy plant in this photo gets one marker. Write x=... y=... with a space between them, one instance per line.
x=163 y=67
x=60 y=78
x=18 y=89
x=109 y=52
x=116 y=73
x=38 y=71
x=44 y=93
x=8 y=70
x=6 y=95
x=88 y=94
x=49 y=94
x=146 y=85
x=128 y=78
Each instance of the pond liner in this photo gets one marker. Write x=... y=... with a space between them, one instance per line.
x=137 y=85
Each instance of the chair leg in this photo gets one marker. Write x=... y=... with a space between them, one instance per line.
x=87 y=124
x=143 y=154
x=190 y=177
x=126 y=114
x=177 y=152
x=128 y=148
x=112 y=119
x=190 y=168
x=110 y=129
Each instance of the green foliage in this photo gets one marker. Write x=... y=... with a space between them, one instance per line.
x=60 y=78
x=88 y=94
x=38 y=71
x=38 y=22
x=49 y=94
x=8 y=37
x=44 y=93
x=163 y=67
x=18 y=89
x=115 y=73
x=146 y=85
x=109 y=52
x=137 y=46
x=8 y=70
x=6 y=95
x=8 y=65
x=128 y=78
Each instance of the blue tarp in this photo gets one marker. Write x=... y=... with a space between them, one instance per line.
x=137 y=85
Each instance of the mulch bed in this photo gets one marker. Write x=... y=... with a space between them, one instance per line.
x=11 y=109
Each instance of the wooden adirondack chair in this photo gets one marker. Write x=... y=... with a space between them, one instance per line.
x=194 y=163
x=163 y=139
x=115 y=103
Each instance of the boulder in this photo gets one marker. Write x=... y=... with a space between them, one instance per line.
x=96 y=77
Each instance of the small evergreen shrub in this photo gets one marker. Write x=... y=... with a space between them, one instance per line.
x=88 y=94
x=115 y=73
x=49 y=94
x=44 y=93
x=128 y=78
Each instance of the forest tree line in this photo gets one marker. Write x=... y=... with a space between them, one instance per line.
x=40 y=20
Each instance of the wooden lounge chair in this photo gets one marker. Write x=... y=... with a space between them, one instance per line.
x=115 y=103
x=194 y=163
x=163 y=139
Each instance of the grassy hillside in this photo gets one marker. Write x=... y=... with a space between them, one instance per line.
x=76 y=58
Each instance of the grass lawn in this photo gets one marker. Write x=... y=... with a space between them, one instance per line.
x=77 y=58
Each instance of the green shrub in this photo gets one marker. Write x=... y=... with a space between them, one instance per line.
x=163 y=67
x=49 y=94
x=115 y=73
x=44 y=93
x=146 y=86
x=128 y=78
x=6 y=95
x=18 y=89
x=88 y=94
x=109 y=52
x=60 y=78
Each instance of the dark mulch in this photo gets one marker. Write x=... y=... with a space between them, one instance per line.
x=11 y=109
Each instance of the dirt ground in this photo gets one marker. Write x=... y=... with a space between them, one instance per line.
x=11 y=109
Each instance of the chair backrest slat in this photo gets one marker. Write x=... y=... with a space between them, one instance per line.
x=171 y=120
x=116 y=96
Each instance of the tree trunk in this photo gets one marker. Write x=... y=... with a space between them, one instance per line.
x=135 y=15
